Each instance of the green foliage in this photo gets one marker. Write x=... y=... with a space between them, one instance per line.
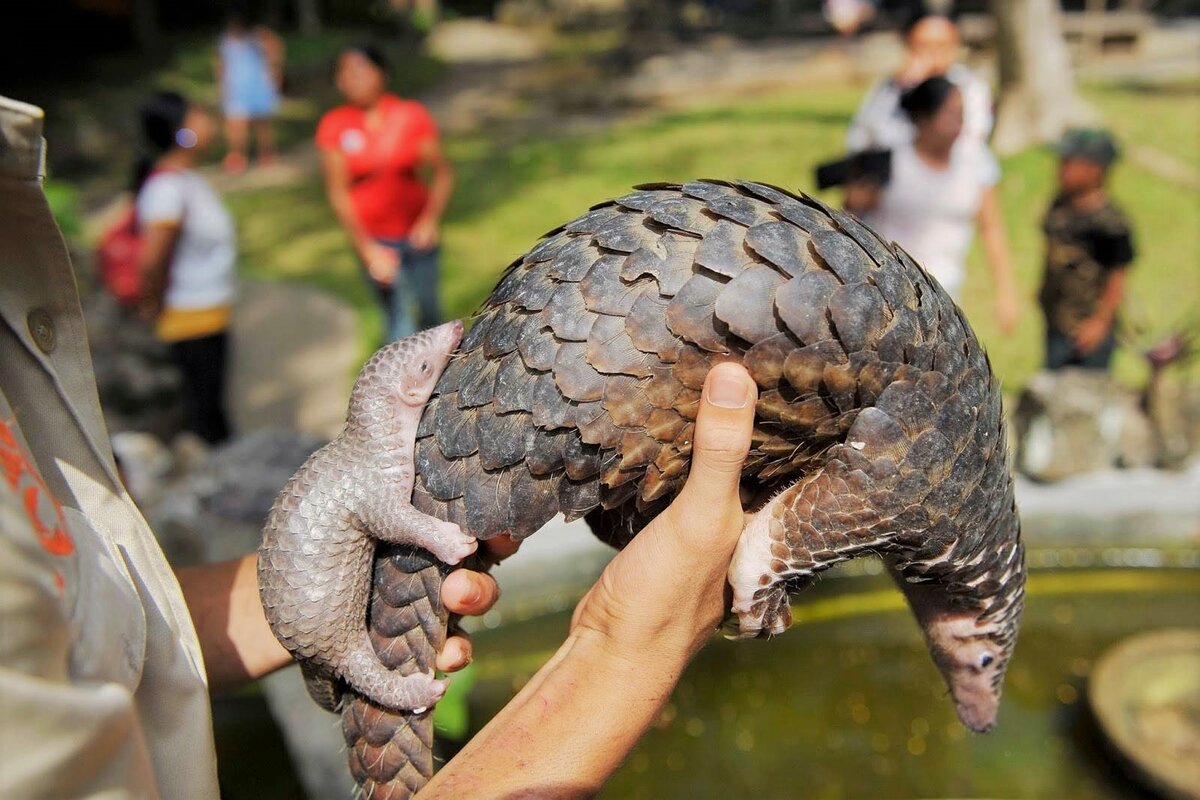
x=509 y=196
x=510 y=191
x=64 y=205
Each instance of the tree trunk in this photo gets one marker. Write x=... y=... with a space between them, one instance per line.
x=1037 y=87
x=308 y=16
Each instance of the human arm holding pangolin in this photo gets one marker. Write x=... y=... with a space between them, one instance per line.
x=238 y=645
x=654 y=607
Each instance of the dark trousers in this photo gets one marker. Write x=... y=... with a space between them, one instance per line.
x=1061 y=352
x=416 y=288
x=202 y=362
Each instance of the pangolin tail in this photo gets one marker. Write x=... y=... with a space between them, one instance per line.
x=391 y=753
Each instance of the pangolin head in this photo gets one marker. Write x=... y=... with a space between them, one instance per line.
x=972 y=655
x=970 y=616
x=402 y=375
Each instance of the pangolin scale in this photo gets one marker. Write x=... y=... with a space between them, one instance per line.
x=878 y=430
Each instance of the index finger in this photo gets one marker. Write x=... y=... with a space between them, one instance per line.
x=469 y=592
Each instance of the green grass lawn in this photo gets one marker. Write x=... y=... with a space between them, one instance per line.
x=508 y=197
x=1165 y=116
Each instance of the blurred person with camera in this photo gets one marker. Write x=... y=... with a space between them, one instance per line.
x=931 y=47
x=940 y=185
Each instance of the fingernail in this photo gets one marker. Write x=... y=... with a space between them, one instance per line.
x=473 y=595
x=728 y=391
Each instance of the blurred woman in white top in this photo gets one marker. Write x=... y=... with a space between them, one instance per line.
x=931 y=47
x=941 y=185
x=188 y=252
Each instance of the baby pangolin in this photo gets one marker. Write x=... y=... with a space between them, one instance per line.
x=314 y=567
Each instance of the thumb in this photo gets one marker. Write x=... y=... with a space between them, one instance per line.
x=722 y=438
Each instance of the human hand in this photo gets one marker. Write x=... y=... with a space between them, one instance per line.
x=861 y=196
x=471 y=594
x=383 y=263
x=149 y=311
x=1092 y=333
x=424 y=233
x=665 y=593
x=916 y=68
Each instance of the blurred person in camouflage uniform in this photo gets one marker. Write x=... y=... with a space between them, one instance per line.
x=1089 y=248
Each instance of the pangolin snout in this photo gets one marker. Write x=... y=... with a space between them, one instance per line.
x=976 y=709
x=449 y=333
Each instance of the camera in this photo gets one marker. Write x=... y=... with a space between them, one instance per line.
x=871 y=166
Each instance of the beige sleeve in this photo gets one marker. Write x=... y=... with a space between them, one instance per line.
x=60 y=738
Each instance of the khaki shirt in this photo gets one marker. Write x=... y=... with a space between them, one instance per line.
x=102 y=686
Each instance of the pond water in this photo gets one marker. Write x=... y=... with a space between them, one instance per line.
x=848 y=704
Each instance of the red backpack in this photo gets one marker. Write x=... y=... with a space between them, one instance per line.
x=118 y=259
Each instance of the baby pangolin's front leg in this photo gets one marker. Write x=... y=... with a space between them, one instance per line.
x=395 y=520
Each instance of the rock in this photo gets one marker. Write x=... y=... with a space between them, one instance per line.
x=209 y=505
x=1114 y=507
x=1075 y=421
x=139 y=387
x=145 y=464
x=478 y=40
x=189 y=452
x=240 y=479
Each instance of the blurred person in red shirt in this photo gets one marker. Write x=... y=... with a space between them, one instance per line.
x=373 y=152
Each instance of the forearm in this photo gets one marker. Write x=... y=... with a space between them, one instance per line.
x=337 y=189
x=236 y=641
x=620 y=696
x=655 y=606
x=1000 y=262
x=343 y=209
x=439 y=192
x=995 y=243
x=153 y=290
x=1110 y=298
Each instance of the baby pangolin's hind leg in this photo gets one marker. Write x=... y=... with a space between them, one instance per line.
x=819 y=521
x=366 y=674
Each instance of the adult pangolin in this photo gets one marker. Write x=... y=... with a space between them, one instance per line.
x=878 y=428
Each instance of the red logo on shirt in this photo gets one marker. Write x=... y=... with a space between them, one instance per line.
x=44 y=511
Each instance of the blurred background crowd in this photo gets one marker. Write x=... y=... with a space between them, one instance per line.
x=258 y=194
